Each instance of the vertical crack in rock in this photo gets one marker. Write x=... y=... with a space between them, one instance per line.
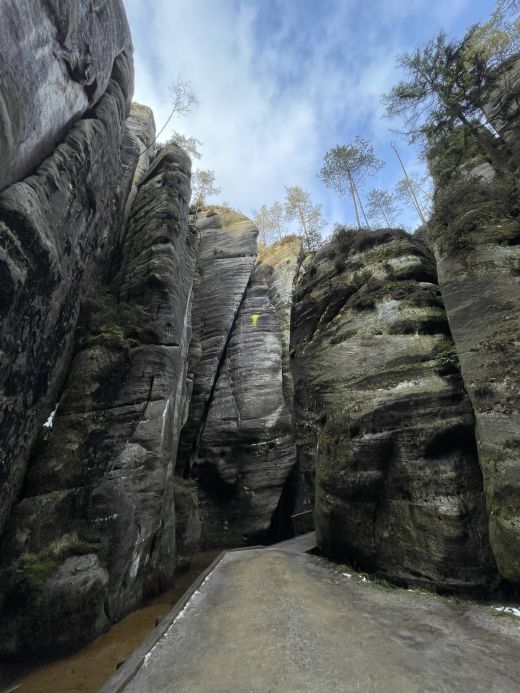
x=224 y=265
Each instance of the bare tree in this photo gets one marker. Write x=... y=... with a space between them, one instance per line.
x=269 y=221
x=203 y=186
x=416 y=191
x=346 y=167
x=182 y=100
x=382 y=207
x=299 y=208
x=189 y=144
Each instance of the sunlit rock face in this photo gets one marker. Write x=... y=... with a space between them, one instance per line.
x=57 y=58
x=95 y=528
x=237 y=443
x=381 y=411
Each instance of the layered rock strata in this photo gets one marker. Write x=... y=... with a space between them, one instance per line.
x=226 y=259
x=95 y=528
x=81 y=45
x=278 y=265
x=246 y=449
x=381 y=410
x=476 y=237
x=237 y=443
x=56 y=229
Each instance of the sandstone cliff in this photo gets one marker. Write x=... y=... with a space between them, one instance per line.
x=56 y=226
x=475 y=233
x=238 y=442
x=196 y=392
x=382 y=414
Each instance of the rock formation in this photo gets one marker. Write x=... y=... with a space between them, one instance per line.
x=381 y=411
x=95 y=529
x=475 y=233
x=238 y=443
x=81 y=46
x=57 y=225
x=163 y=385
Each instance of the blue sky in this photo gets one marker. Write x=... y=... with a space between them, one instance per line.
x=281 y=81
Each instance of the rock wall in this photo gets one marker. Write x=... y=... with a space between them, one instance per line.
x=95 y=528
x=56 y=229
x=81 y=45
x=381 y=411
x=224 y=264
x=278 y=265
x=174 y=369
x=476 y=236
x=237 y=443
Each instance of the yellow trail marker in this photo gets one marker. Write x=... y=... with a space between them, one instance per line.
x=254 y=319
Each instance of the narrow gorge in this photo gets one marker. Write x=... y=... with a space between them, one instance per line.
x=168 y=384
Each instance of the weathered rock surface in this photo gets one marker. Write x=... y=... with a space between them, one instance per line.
x=381 y=409
x=102 y=483
x=246 y=449
x=226 y=258
x=56 y=230
x=278 y=265
x=237 y=443
x=476 y=237
x=57 y=58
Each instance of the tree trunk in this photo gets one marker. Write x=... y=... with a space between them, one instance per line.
x=354 y=201
x=361 y=207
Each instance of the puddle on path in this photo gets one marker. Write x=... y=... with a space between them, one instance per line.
x=88 y=669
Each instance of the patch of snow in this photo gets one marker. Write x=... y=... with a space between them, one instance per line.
x=135 y=565
x=348 y=575
x=50 y=420
x=195 y=597
x=164 y=415
x=511 y=610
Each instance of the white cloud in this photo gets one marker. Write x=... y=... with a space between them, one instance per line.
x=274 y=99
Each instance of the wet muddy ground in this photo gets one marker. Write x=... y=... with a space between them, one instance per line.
x=88 y=669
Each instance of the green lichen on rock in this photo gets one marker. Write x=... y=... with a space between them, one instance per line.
x=113 y=324
x=31 y=571
x=382 y=417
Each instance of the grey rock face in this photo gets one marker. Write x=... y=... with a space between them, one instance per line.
x=246 y=449
x=381 y=409
x=278 y=265
x=226 y=258
x=478 y=262
x=237 y=442
x=56 y=229
x=102 y=482
x=57 y=58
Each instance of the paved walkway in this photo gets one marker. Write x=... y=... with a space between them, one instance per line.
x=279 y=620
